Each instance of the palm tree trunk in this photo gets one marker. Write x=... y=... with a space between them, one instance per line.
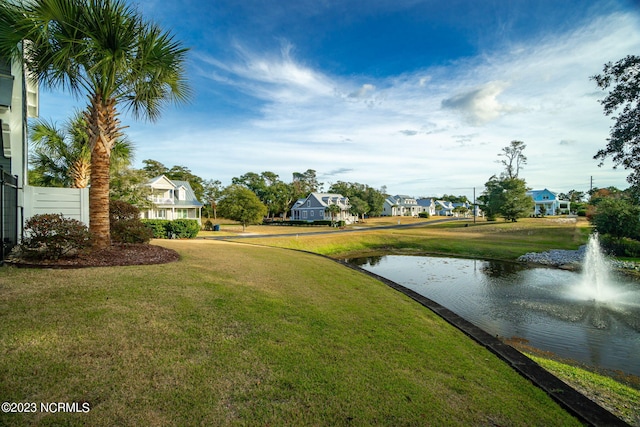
x=80 y=172
x=104 y=128
x=99 y=198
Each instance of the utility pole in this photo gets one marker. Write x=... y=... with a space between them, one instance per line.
x=475 y=208
x=591 y=186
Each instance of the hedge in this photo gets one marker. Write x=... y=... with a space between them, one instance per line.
x=177 y=229
x=184 y=228
x=305 y=223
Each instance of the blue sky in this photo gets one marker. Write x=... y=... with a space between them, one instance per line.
x=419 y=96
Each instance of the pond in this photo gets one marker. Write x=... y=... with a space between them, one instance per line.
x=543 y=306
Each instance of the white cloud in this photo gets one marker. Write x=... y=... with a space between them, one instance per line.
x=479 y=105
x=363 y=91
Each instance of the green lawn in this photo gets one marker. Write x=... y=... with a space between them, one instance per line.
x=245 y=335
x=488 y=240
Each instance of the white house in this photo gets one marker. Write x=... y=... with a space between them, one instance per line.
x=547 y=202
x=428 y=205
x=172 y=199
x=401 y=205
x=19 y=101
x=315 y=207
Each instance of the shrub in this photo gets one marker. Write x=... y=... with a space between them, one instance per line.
x=122 y=211
x=208 y=226
x=52 y=236
x=126 y=227
x=423 y=214
x=159 y=227
x=624 y=247
x=131 y=231
x=184 y=228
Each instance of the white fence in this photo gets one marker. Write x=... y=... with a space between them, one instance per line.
x=71 y=202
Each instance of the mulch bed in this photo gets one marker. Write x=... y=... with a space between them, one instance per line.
x=116 y=255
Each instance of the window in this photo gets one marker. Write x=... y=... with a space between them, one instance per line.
x=313 y=213
x=5 y=67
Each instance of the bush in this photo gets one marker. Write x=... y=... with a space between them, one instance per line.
x=159 y=227
x=424 y=215
x=208 y=226
x=131 y=231
x=122 y=211
x=184 y=228
x=624 y=247
x=52 y=236
x=126 y=227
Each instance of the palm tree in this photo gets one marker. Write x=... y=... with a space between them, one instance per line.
x=334 y=210
x=104 y=50
x=62 y=157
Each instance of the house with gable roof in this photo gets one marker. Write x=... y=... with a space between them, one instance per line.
x=315 y=207
x=548 y=201
x=401 y=205
x=172 y=199
x=428 y=205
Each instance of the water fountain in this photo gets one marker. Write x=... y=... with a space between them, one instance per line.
x=596 y=283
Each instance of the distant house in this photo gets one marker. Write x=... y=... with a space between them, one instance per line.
x=444 y=208
x=401 y=205
x=427 y=205
x=172 y=200
x=315 y=207
x=547 y=202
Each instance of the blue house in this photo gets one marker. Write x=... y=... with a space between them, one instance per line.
x=548 y=202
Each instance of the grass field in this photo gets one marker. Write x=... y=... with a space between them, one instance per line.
x=237 y=334
x=489 y=240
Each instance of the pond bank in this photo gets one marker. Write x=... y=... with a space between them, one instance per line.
x=571 y=260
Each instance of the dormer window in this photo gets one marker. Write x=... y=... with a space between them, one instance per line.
x=181 y=193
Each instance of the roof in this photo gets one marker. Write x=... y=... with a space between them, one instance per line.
x=190 y=195
x=325 y=199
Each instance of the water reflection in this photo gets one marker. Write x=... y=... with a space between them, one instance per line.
x=537 y=304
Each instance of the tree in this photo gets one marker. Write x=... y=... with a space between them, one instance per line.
x=623 y=146
x=516 y=203
x=154 y=168
x=127 y=185
x=454 y=199
x=514 y=159
x=506 y=197
x=241 y=204
x=617 y=217
x=62 y=158
x=461 y=210
x=490 y=200
x=104 y=50
x=275 y=194
x=359 y=207
x=212 y=192
x=334 y=210
x=305 y=183
x=373 y=198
